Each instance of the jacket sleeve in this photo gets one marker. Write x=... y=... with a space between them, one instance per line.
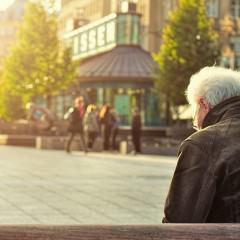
x=193 y=187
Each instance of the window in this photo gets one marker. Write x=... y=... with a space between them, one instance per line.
x=235 y=8
x=237 y=47
x=237 y=63
x=212 y=8
x=167 y=8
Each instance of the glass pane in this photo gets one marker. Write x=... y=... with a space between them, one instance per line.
x=121 y=30
x=111 y=31
x=135 y=30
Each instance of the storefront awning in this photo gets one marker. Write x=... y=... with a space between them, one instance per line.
x=122 y=66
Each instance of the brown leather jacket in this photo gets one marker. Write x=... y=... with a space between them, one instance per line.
x=206 y=184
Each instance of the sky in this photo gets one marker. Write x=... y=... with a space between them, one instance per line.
x=5 y=3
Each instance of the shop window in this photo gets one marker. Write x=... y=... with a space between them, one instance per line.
x=235 y=8
x=212 y=8
x=128 y=29
x=68 y=101
x=237 y=63
x=121 y=29
x=135 y=30
x=237 y=46
x=122 y=106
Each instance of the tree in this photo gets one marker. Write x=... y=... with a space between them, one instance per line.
x=189 y=43
x=38 y=64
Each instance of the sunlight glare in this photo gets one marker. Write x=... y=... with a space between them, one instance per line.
x=5 y=3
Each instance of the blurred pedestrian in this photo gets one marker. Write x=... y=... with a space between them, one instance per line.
x=91 y=125
x=106 y=123
x=136 y=130
x=75 y=119
x=114 y=131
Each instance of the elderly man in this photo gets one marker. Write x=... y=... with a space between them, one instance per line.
x=206 y=184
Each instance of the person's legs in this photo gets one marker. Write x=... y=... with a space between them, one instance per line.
x=90 y=139
x=136 y=142
x=107 y=133
x=82 y=137
x=94 y=135
x=69 y=141
x=114 y=136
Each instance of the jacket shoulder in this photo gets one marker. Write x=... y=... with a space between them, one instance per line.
x=203 y=139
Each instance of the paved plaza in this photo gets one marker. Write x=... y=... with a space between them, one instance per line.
x=52 y=187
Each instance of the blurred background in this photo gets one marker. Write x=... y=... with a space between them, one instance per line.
x=135 y=53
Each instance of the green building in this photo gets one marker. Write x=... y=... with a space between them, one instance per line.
x=113 y=68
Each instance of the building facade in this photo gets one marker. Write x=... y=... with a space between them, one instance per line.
x=9 y=19
x=121 y=35
x=81 y=23
x=154 y=14
x=115 y=67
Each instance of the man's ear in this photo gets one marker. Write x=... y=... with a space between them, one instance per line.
x=204 y=104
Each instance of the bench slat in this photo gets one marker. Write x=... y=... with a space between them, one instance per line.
x=138 y=232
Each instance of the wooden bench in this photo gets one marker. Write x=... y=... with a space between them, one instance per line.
x=126 y=232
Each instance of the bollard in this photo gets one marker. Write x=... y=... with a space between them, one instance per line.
x=123 y=147
x=39 y=142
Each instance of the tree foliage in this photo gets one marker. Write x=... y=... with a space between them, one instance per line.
x=37 y=64
x=189 y=43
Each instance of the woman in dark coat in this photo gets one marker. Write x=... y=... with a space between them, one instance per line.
x=106 y=122
x=75 y=118
x=136 y=130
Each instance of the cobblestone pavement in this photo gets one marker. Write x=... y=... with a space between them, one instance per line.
x=52 y=187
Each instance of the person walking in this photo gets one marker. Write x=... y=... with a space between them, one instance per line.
x=91 y=126
x=115 y=125
x=75 y=117
x=136 y=129
x=106 y=122
x=206 y=183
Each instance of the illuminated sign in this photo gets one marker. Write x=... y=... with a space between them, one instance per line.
x=104 y=34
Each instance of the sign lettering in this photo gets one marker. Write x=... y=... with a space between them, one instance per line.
x=83 y=42
x=92 y=39
x=101 y=36
x=110 y=31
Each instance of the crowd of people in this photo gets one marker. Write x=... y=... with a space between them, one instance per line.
x=92 y=123
x=89 y=122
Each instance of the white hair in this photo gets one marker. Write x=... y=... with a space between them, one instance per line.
x=214 y=84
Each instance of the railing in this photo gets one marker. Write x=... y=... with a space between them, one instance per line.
x=126 y=232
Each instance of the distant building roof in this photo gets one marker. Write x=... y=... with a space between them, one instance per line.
x=128 y=64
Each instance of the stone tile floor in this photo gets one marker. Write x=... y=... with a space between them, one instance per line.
x=52 y=187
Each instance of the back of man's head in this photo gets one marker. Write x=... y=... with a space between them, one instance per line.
x=214 y=84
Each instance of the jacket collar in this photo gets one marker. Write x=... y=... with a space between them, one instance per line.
x=226 y=109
